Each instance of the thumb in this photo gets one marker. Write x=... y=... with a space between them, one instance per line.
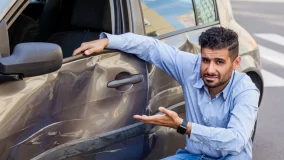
x=162 y=109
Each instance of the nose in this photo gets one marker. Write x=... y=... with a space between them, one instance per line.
x=211 y=68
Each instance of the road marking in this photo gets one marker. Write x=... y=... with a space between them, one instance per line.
x=275 y=38
x=271 y=55
x=272 y=80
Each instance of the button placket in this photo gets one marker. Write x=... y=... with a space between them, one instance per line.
x=209 y=109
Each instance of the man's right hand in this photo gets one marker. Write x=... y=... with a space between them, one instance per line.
x=91 y=47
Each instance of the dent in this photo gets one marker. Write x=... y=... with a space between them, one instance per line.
x=72 y=103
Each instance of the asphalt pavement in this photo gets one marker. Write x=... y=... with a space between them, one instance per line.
x=264 y=20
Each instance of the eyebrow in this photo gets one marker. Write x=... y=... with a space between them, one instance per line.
x=219 y=59
x=216 y=59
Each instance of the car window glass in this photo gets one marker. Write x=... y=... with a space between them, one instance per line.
x=24 y=29
x=5 y=5
x=205 y=11
x=164 y=16
x=61 y=23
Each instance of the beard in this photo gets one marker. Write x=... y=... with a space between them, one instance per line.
x=218 y=84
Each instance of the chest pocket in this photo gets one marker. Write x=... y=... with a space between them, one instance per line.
x=219 y=115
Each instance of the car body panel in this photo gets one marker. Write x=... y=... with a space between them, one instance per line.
x=69 y=104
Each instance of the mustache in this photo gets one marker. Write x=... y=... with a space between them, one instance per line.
x=210 y=75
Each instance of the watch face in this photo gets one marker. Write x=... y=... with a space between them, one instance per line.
x=182 y=128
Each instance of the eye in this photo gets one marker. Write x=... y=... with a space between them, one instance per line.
x=205 y=60
x=219 y=62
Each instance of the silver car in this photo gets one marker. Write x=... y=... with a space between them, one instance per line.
x=57 y=106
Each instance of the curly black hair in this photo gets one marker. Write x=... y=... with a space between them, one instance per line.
x=219 y=38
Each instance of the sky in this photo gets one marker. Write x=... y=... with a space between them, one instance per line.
x=170 y=9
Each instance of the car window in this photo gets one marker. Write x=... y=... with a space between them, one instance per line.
x=61 y=23
x=5 y=5
x=205 y=11
x=164 y=16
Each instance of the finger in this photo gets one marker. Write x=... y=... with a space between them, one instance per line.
x=91 y=51
x=83 y=47
x=152 y=119
x=78 y=50
x=157 y=119
x=161 y=120
x=142 y=118
x=167 y=112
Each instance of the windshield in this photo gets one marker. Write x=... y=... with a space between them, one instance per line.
x=5 y=5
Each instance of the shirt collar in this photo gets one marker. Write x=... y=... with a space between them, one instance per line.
x=226 y=90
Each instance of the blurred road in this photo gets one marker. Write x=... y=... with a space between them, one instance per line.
x=264 y=19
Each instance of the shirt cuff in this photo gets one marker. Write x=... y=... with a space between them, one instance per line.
x=199 y=134
x=114 y=41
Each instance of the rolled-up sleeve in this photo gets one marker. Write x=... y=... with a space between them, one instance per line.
x=168 y=58
x=231 y=140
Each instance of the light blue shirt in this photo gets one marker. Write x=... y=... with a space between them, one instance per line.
x=222 y=126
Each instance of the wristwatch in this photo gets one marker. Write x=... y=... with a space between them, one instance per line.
x=183 y=127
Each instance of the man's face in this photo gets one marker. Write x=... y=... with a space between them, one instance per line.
x=217 y=67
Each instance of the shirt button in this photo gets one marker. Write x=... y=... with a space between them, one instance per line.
x=210 y=102
x=201 y=142
x=205 y=119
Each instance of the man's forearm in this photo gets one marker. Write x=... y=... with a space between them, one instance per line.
x=141 y=46
x=165 y=57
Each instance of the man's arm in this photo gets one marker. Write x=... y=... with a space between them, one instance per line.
x=232 y=139
x=167 y=58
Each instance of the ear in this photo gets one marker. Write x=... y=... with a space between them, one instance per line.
x=237 y=62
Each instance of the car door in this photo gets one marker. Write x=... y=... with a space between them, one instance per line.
x=177 y=23
x=87 y=103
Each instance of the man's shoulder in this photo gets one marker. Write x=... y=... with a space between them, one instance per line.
x=190 y=65
x=242 y=83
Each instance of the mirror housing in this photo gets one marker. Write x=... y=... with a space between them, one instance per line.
x=32 y=59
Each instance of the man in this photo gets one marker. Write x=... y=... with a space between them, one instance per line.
x=221 y=103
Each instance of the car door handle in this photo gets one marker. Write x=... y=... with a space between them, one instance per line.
x=131 y=80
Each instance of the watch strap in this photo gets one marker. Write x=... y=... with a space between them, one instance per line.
x=183 y=127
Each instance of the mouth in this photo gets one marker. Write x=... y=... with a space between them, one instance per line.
x=210 y=78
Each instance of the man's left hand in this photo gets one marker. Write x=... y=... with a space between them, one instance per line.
x=168 y=118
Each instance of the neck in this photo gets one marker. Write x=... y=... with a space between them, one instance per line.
x=214 y=91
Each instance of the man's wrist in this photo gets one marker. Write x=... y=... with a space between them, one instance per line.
x=179 y=122
x=113 y=41
x=105 y=41
x=188 y=130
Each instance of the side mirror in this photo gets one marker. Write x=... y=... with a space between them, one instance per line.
x=30 y=59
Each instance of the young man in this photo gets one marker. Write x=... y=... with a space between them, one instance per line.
x=221 y=103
